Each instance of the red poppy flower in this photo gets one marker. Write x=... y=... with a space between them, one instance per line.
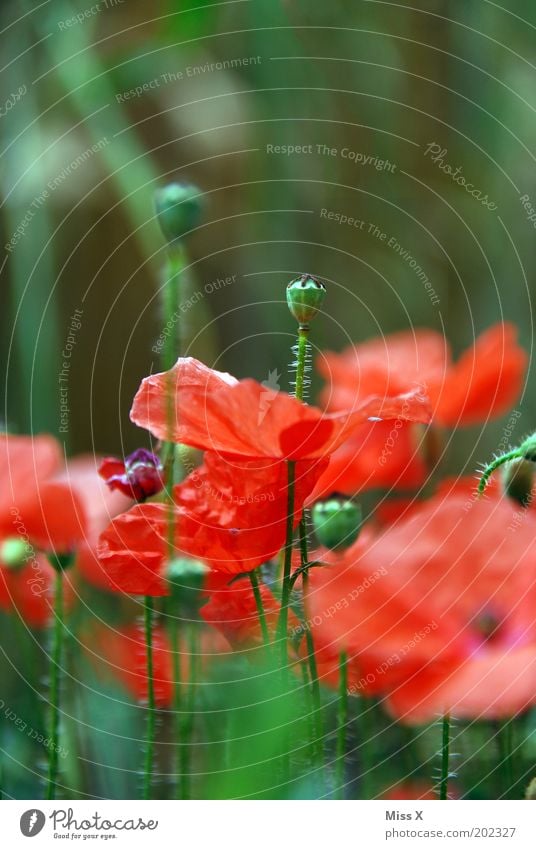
x=355 y=605
x=231 y=514
x=450 y=627
x=45 y=506
x=216 y=412
x=483 y=384
x=232 y=609
x=375 y=455
x=38 y=513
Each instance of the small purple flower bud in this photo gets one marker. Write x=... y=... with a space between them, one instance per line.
x=139 y=476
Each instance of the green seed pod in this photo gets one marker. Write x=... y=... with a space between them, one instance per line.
x=186 y=578
x=15 y=553
x=337 y=522
x=518 y=479
x=178 y=209
x=305 y=297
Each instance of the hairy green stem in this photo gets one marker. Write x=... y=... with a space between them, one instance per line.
x=150 y=732
x=55 y=685
x=282 y=625
x=303 y=333
x=445 y=757
x=342 y=724
x=260 y=607
x=488 y=471
x=316 y=701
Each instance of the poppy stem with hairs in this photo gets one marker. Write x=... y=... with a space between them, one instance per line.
x=150 y=733
x=445 y=757
x=291 y=479
x=318 y=724
x=260 y=607
x=342 y=724
x=60 y=562
x=287 y=566
x=55 y=683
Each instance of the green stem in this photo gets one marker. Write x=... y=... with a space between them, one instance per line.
x=303 y=332
x=171 y=300
x=506 y=745
x=177 y=697
x=57 y=652
x=187 y=725
x=291 y=465
x=342 y=723
x=260 y=607
x=488 y=471
x=171 y=350
x=311 y=657
x=282 y=626
x=150 y=735
x=445 y=757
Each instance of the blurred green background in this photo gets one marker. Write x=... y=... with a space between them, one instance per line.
x=110 y=100
x=371 y=78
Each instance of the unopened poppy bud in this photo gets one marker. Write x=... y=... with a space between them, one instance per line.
x=139 y=476
x=15 y=553
x=178 y=209
x=186 y=578
x=337 y=522
x=305 y=297
x=518 y=479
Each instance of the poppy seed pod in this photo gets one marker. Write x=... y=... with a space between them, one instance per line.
x=178 y=209
x=305 y=297
x=186 y=579
x=518 y=479
x=337 y=522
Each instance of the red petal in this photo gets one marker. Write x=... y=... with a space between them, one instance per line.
x=377 y=454
x=25 y=463
x=233 y=512
x=389 y=365
x=132 y=550
x=249 y=420
x=486 y=381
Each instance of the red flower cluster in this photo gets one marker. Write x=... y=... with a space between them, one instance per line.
x=437 y=611
x=484 y=383
x=232 y=511
x=47 y=507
